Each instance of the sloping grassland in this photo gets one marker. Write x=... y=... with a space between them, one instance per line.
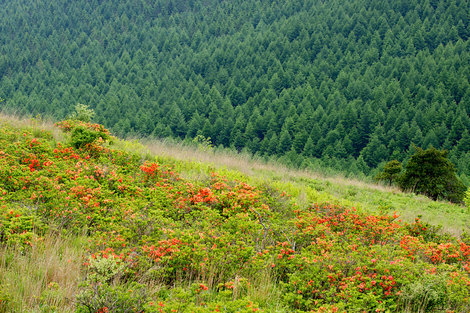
x=91 y=223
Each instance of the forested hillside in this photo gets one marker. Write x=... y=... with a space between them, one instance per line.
x=343 y=84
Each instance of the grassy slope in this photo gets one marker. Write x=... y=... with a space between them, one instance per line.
x=308 y=187
x=46 y=276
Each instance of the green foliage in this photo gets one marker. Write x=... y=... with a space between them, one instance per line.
x=467 y=198
x=427 y=294
x=159 y=241
x=391 y=172
x=82 y=136
x=429 y=233
x=19 y=225
x=250 y=74
x=103 y=270
x=104 y=298
x=430 y=172
x=82 y=113
x=4 y=299
x=203 y=143
x=85 y=135
x=103 y=291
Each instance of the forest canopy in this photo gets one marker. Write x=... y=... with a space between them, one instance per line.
x=344 y=84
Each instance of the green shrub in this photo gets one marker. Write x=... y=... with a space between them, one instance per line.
x=82 y=136
x=430 y=172
x=117 y=299
x=391 y=172
x=105 y=291
x=104 y=270
x=82 y=113
x=425 y=295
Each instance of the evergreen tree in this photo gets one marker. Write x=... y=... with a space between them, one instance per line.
x=237 y=141
x=300 y=140
x=362 y=166
x=195 y=124
x=284 y=142
x=374 y=152
x=463 y=145
x=176 y=121
x=273 y=145
x=309 y=148
x=431 y=140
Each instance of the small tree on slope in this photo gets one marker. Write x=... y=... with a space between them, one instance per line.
x=429 y=172
x=391 y=172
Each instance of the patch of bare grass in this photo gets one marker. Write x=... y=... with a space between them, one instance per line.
x=36 y=124
x=42 y=277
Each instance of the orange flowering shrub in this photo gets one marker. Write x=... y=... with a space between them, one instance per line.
x=146 y=224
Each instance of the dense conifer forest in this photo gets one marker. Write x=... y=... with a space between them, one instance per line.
x=341 y=84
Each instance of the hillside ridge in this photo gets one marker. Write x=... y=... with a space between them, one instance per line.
x=129 y=231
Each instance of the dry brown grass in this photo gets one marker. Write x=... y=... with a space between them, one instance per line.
x=43 y=276
x=37 y=124
x=249 y=165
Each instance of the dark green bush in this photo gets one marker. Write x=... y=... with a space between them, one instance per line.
x=391 y=172
x=430 y=172
x=117 y=299
x=82 y=136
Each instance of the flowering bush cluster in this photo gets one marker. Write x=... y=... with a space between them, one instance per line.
x=210 y=241
x=85 y=134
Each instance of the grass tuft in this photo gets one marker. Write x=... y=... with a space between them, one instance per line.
x=43 y=277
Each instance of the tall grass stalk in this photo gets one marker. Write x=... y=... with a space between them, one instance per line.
x=36 y=124
x=43 y=277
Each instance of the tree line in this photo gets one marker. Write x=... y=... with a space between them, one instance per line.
x=344 y=85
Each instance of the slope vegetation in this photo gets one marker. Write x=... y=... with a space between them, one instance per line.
x=87 y=226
